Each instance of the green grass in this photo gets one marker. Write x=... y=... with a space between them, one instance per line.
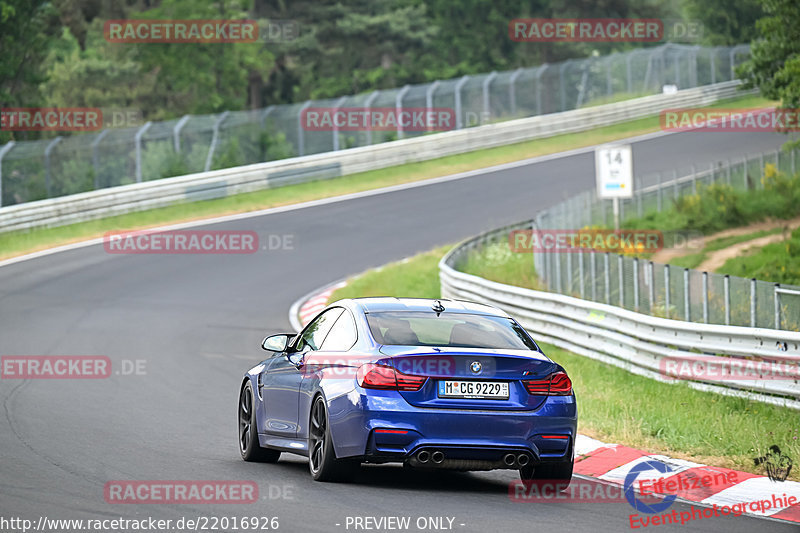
x=779 y=262
x=619 y=407
x=20 y=242
x=498 y=263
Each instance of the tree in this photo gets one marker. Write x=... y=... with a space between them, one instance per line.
x=726 y=22
x=774 y=64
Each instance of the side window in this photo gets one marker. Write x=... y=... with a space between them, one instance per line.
x=343 y=334
x=315 y=332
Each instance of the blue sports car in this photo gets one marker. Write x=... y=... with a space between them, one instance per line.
x=428 y=383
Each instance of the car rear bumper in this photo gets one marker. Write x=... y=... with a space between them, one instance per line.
x=382 y=427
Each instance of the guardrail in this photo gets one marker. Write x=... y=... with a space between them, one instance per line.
x=636 y=342
x=221 y=183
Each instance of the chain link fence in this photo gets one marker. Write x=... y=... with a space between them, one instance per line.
x=34 y=170
x=661 y=289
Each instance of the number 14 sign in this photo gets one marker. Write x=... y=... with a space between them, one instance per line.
x=614 y=169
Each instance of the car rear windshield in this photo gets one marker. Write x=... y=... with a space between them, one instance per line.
x=451 y=330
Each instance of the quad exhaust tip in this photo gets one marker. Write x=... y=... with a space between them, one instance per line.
x=423 y=456
x=509 y=459
x=522 y=459
x=437 y=457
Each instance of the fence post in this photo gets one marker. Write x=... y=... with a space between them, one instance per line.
x=371 y=98
x=214 y=140
x=793 y=155
x=539 y=88
x=694 y=180
x=652 y=288
x=628 y=71
x=398 y=106
x=486 y=83
x=638 y=194
x=47 y=173
x=705 y=297
x=301 y=141
x=753 y=303
x=675 y=183
x=176 y=132
x=686 y=303
x=593 y=266
x=726 y=289
x=461 y=82
x=96 y=157
x=761 y=166
x=3 y=151
x=660 y=192
x=580 y=275
x=777 y=297
x=712 y=59
x=728 y=173
x=569 y=274
x=512 y=91
x=636 y=284
x=557 y=259
x=621 y=280
x=666 y=291
x=607 y=278
x=335 y=132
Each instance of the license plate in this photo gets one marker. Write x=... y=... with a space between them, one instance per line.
x=485 y=390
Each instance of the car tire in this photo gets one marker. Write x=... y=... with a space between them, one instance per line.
x=249 y=447
x=322 y=461
x=560 y=472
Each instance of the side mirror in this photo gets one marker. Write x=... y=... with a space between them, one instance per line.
x=276 y=343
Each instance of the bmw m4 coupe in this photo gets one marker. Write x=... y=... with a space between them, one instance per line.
x=427 y=383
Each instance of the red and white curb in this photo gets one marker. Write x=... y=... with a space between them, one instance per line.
x=307 y=307
x=612 y=462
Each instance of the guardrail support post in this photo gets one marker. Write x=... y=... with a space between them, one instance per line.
x=636 y=284
x=777 y=297
x=214 y=140
x=96 y=157
x=607 y=279
x=686 y=304
x=138 y=141
x=176 y=132
x=593 y=266
x=335 y=133
x=459 y=84
x=753 y=303
x=3 y=151
x=47 y=173
x=705 y=297
x=726 y=289
x=666 y=291
x=398 y=106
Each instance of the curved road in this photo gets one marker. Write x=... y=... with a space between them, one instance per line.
x=196 y=322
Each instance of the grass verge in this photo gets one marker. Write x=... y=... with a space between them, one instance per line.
x=21 y=242
x=695 y=259
x=616 y=406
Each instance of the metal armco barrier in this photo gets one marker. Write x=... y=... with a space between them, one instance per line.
x=225 y=182
x=632 y=341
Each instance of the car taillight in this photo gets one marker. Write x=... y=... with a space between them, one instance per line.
x=556 y=384
x=373 y=376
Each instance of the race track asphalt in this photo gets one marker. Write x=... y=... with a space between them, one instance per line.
x=196 y=322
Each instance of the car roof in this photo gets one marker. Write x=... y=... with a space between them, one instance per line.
x=386 y=304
